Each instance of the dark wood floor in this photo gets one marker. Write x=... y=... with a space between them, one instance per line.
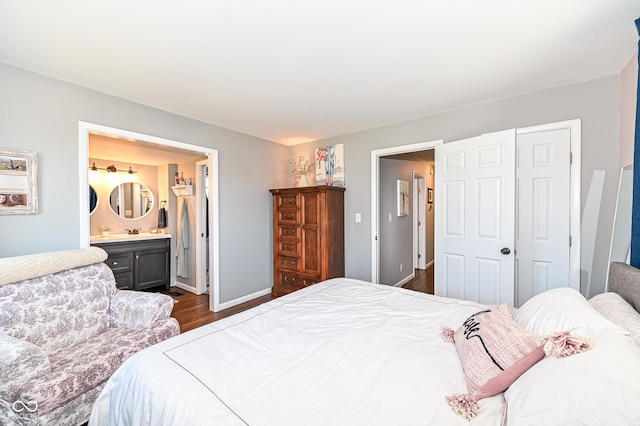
x=423 y=281
x=192 y=311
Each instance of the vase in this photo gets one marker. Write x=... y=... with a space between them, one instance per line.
x=302 y=181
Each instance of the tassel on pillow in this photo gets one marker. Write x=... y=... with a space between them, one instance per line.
x=447 y=334
x=562 y=344
x=464 y=405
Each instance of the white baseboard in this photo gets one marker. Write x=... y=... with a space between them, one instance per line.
x=248 y=297
x=429 y=264
x=185 y=287
x=405 y=280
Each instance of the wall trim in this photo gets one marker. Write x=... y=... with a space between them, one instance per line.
x=405 y=280
x=185 y=287
x=248 y=297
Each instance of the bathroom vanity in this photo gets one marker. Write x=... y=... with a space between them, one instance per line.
x=139 y=261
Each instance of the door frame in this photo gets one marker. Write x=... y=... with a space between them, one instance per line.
x=84 y=128
x=419 y=216
x=575 y=196
x=201 y=228
x=375 y=187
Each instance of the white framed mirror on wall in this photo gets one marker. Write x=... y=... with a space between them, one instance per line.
x=131 y=200
x=620 y=249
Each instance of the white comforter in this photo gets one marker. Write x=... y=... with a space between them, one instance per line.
x=341 y=352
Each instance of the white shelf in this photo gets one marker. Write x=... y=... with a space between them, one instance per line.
x=181 y=190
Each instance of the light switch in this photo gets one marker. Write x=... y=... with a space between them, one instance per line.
x=358 y=217
x=390 y=217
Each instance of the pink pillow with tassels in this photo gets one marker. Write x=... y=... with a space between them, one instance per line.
x=494 y=351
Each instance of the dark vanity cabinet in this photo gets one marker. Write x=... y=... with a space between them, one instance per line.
x=139 y=264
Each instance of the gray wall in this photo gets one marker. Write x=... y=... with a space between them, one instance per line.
x=41 y=114
x=596 y=102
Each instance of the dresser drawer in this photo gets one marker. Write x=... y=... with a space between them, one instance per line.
x=288 y=232
x=288 y=281
x=288 y=247
x=120 y=262
x=307 y=280
x=287 y=277
x=288 y=200
x=288 y=216
x=285 y=262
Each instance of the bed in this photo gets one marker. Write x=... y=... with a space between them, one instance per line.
x=349 y=352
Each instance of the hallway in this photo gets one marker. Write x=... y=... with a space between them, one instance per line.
x=423 y=281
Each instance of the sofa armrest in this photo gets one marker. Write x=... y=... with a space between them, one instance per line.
x=20 y=361
x=135 y=309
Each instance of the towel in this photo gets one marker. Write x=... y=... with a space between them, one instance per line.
x=162 y=218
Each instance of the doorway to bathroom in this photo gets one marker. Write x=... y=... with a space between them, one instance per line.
x=147 y=142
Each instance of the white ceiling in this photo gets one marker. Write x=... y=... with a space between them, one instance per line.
x=294 y=71
x=109 y=148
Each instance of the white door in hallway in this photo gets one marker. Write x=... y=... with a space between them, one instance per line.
x=475 y=218
x=419 y=226
x=542 y=215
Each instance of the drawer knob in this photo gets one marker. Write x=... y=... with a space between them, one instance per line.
x=115 y=263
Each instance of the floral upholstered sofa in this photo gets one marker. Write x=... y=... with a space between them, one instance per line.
x=64 y=329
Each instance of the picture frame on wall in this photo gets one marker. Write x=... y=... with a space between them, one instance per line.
x=330 y=165
x=18 y=182
x=403 y=198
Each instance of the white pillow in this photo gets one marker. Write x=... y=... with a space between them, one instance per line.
x=563 y=309
x=614 y=308
x=596 y=387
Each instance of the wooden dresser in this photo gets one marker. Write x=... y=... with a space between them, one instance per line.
x=308 y=236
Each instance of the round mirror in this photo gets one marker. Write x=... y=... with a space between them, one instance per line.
x=93 y=200
x=131 y=200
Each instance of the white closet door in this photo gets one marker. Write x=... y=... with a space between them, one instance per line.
x=542 y=230
x=475 y=218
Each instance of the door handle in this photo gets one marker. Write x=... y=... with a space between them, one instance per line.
x=505 y=251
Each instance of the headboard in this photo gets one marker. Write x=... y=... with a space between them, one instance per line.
x=624 y=279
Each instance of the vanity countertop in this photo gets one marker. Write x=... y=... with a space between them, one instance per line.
x=117 y=238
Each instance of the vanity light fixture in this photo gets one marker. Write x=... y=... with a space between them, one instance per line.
x=111 y=169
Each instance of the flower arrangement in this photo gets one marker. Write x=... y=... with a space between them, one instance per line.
x=300 y=170
x=300 y=167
